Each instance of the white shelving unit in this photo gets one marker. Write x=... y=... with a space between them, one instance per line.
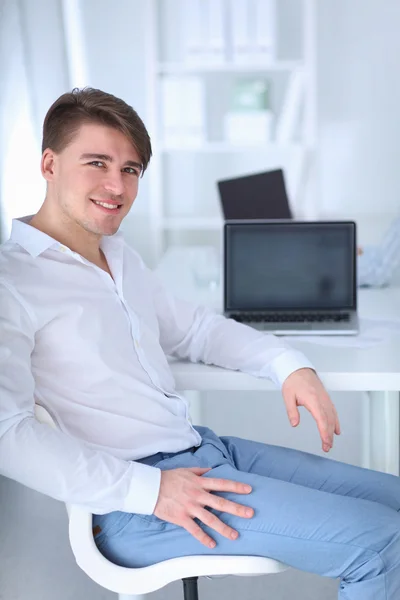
x=182 y=176
x=184 y=69
x=226 y=147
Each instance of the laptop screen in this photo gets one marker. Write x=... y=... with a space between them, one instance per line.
x=284 y=265
x=257 y=196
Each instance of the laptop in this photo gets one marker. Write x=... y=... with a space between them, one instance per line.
x=291 y=277
x=257 y=196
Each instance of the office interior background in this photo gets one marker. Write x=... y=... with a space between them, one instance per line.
x=330 y=120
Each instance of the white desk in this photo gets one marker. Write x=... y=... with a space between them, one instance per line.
x=375 y=370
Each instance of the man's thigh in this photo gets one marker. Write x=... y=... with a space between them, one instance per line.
x=310 y=470
x=308 y=529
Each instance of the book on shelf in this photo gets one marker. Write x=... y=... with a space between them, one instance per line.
x=203 y=31
x=183 y=106
x=249 y=119
x=252 y=27
x=264 y=23
x=215 y=30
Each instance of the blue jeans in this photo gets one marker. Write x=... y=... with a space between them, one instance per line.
x=312 y=513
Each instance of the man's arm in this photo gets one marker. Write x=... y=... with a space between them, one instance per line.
x=197 y=333
x=49 y=460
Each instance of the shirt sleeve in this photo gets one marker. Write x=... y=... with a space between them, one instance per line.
x=378 y=264
x=47 y=459
x=199 y=334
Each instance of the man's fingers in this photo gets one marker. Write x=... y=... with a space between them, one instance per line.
x=225 y=485
x=208 y=518
x=294 y=417
x=324 y=428
x=223 y=505
x=198 y=533
x=199 y=470
x=337 y=423
x=304 y=388
x=292 y=410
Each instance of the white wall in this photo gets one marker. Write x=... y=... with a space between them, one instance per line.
x=359 y=99
x=32 y=75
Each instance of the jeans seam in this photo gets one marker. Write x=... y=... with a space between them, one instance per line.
x=374 y=552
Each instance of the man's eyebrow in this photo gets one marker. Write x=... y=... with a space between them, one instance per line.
x=108 y=158
x=132 y=163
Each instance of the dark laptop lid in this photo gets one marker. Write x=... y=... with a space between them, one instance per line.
x=258 y=196
x=287 y=265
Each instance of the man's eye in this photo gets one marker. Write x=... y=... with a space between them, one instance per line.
x=131 y=171
x=97 y=163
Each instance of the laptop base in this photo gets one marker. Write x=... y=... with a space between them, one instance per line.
x=350 y=327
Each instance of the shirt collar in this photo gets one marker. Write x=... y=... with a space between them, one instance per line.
x=35 y=241
x=31 y=239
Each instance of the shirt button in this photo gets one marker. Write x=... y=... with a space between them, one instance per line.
x=63 y=249
x=137 y=345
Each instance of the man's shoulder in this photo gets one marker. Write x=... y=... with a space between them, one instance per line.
x=12 y=258
x=17 y=268
x=14 y=271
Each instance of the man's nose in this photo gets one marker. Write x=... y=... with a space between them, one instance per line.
x=113 y=183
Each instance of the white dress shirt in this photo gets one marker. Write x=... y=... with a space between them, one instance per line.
x=92 y=350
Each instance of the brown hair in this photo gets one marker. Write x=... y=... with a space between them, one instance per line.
x=88 y=105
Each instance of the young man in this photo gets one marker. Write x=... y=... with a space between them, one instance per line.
x=85 y=329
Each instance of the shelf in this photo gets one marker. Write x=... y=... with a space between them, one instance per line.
x=210 y=157
x=226 y=147
x=191 y=223
x=181 y=68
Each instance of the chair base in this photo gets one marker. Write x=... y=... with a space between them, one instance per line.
x=190 y=590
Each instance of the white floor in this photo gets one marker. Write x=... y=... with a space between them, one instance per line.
x=36 y=562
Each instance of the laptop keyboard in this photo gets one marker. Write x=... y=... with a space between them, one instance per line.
x=291 y=317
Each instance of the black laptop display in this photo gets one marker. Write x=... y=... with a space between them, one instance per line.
x=288 y=276
x=258 y=196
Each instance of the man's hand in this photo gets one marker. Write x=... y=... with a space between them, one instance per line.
x=304 y=388
x=184 y=494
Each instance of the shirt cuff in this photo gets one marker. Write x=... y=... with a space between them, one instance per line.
x=143 y=491
x=284 y=365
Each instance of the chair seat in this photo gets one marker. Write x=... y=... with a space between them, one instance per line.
x=144 y=580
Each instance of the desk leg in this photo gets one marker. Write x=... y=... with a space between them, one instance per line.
x=382 y=432
x=194 y=399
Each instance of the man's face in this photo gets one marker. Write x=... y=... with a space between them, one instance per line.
x=99 y=165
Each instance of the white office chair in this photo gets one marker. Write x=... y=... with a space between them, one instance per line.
x=134 y=584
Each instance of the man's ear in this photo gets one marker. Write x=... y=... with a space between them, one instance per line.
x=47 y=164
